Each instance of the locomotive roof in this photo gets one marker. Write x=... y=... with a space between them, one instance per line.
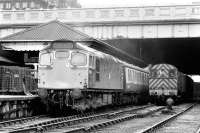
x=104 y=55
x=100 y=54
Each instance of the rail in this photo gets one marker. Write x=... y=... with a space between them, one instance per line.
x=162 y=123
x=68 y=121
x=21 y=120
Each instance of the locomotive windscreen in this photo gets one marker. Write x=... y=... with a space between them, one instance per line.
x=45 y=59
x=78 y=59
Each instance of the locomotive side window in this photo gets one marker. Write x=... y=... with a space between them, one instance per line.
x=141 y=81
x=130 y=75
x=140 y=77
x=91 y=61
x=97 y=69
x=62 y=54
x=136 y=79
x=78 y=59
x=135 y=76
x=45 y=59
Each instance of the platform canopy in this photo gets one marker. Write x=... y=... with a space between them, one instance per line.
x=33 y=38
x=38 y=37
x=5 y=60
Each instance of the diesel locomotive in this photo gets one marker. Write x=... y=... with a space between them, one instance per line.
x=166 y=81
x=76 y=76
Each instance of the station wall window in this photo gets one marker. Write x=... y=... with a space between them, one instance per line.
x=32 y=5
x=24 y=5
x=8 y=5
x=17 y=5
x=1 y=5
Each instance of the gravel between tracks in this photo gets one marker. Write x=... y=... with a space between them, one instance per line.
x=24 y=124
x=136 y=125
x=90 y=124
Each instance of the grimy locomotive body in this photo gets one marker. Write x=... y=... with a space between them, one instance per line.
x=73 y=75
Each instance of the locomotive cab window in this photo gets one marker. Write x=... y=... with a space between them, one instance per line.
x=78 y=59
x=153 y=73
x=172 y=73
x=45 y=59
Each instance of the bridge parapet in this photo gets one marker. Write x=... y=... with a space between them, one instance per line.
x=97 y=15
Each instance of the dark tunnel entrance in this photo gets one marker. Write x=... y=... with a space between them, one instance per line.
x=184 y=53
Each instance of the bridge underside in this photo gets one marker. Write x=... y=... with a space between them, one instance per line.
x=184 y=53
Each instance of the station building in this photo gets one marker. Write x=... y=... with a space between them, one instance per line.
x=37 y=4
x=27 y=44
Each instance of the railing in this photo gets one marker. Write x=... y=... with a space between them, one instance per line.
x=147 y=13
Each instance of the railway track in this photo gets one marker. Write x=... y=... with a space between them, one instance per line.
x=5 y=126
x=92 y=123
x=89 y=126
x=156 y=127
x=187 y=121
x=139 y=125
x=74 y=120
x=12 y=122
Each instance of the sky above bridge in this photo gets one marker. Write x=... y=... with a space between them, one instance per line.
x=129 y=3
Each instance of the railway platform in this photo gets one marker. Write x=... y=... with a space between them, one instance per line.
x=17 y=106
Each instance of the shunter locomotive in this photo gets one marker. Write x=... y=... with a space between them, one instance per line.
x=166 y=81
x=73 y=75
